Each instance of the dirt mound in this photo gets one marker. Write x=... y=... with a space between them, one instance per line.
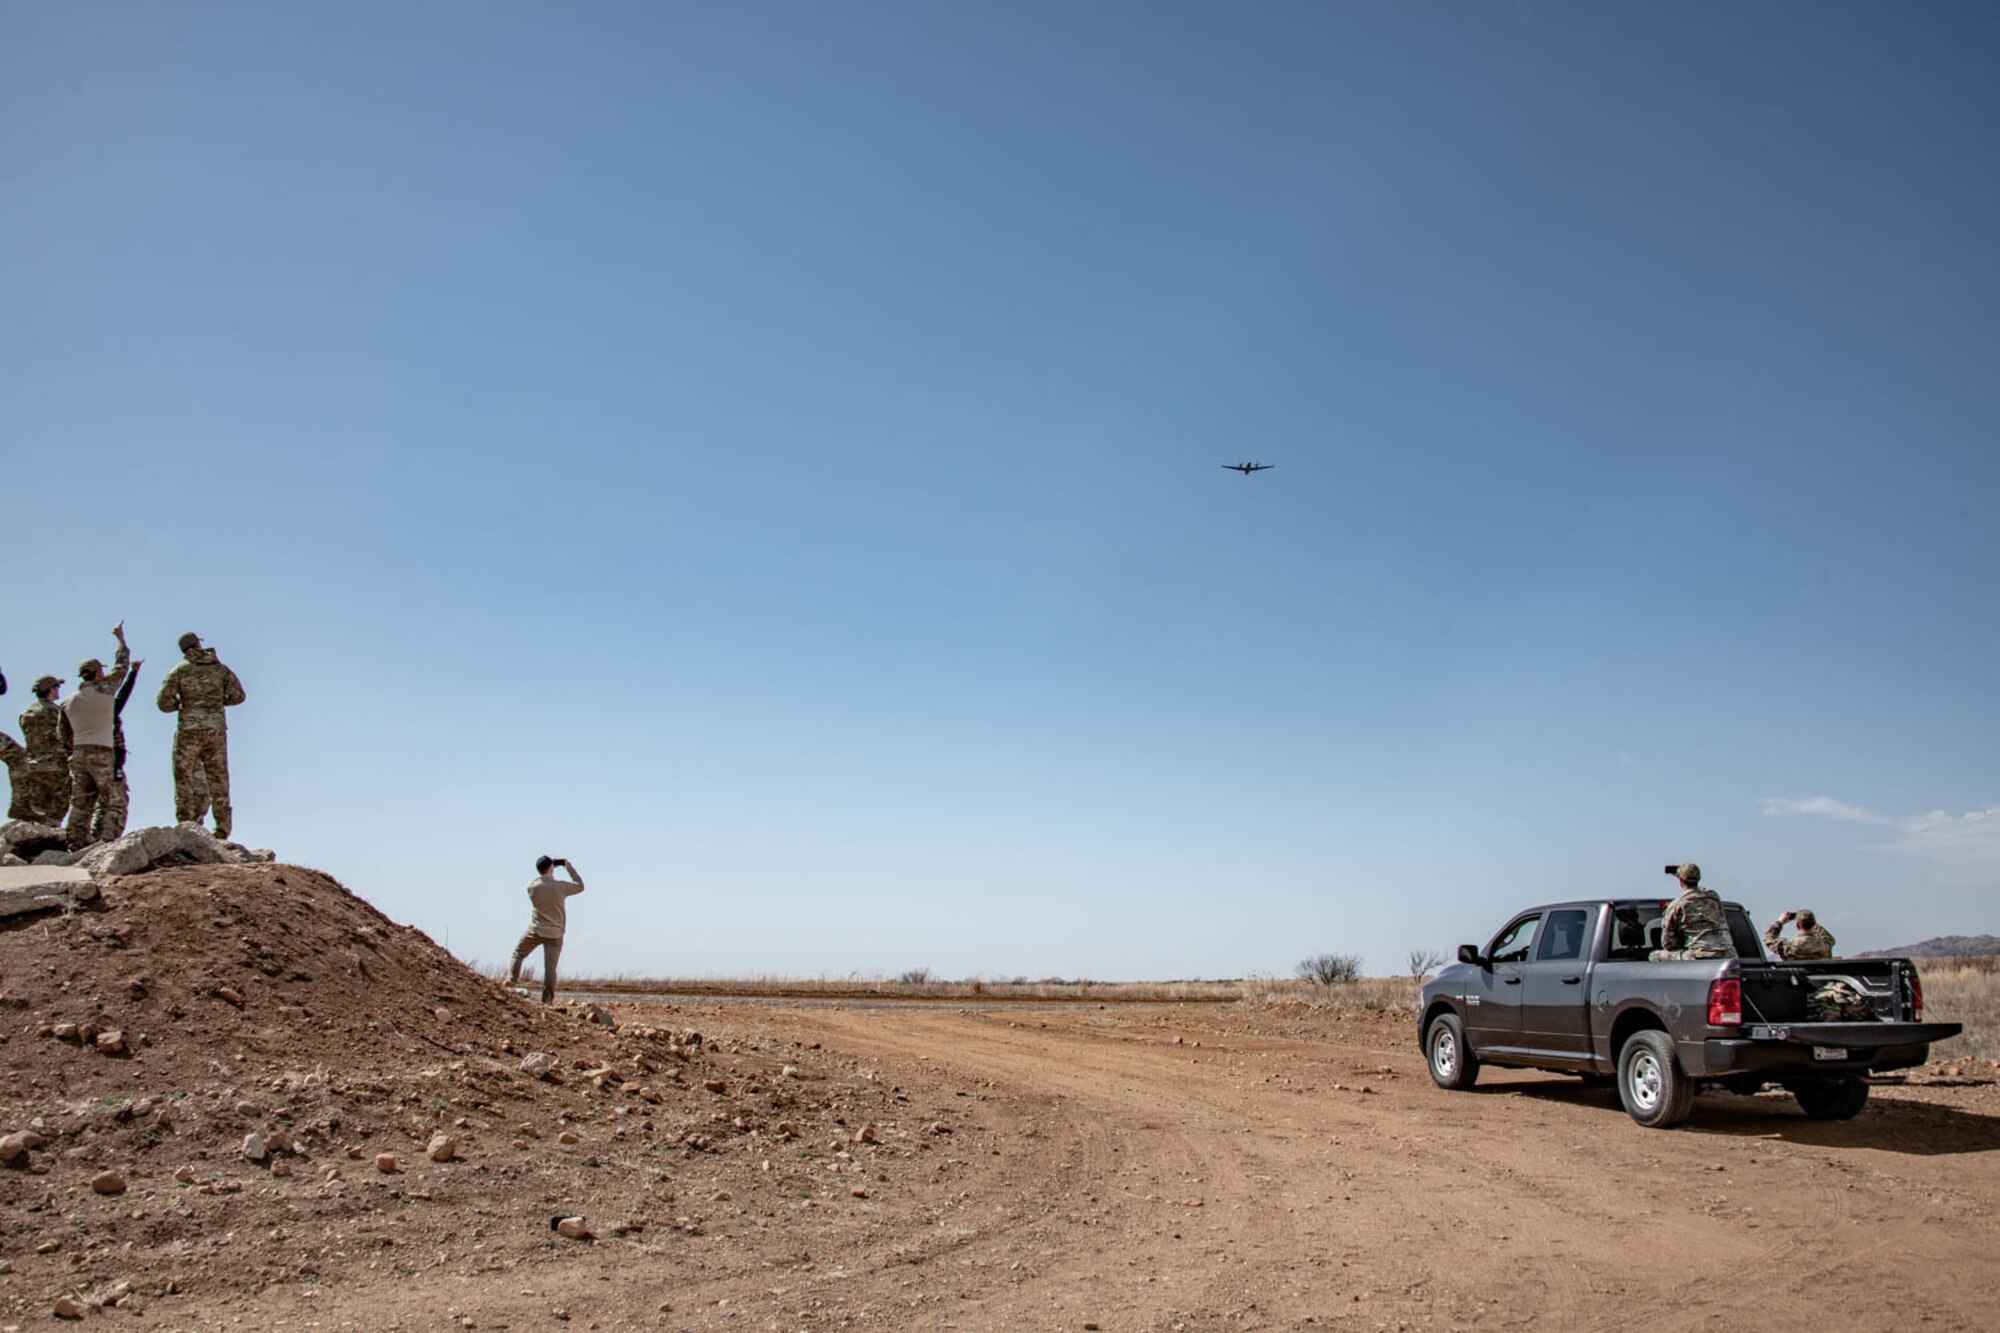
x=199 y=1071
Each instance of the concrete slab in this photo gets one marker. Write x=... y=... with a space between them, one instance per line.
x=25 y=877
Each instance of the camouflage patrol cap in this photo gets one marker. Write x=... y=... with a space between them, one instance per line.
x=190 y=640
x=90 y=668
x=1804 y=916
x=1689 y=873
x=45 y=684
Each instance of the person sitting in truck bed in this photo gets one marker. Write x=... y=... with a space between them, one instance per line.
x=1694 y=926
x=1814 y=940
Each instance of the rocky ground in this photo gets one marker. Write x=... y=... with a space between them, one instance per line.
x=236 y=1096
x=221 y=1080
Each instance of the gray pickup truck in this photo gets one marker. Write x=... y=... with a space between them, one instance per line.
x=1566 y=987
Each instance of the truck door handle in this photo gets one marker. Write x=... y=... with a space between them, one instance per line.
x=1572 y=981
x=1511 y=981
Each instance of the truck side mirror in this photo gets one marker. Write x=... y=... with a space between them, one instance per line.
x=1469 y=953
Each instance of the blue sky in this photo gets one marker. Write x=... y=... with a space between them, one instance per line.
x=769 y=454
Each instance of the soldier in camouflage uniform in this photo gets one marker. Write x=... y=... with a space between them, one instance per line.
x=1694 y=926
x=199 y=689
x=1813 y=943
x=16 y=759
x=48 y=757
x=97 y=796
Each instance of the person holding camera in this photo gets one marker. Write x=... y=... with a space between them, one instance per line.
x=1814 y=940
x=549 y=897
x=1694 y=926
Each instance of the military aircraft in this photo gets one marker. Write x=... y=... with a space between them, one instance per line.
x=1247 y=468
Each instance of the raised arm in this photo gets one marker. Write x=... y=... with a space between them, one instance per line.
x=125 y=690
x=234 y=695
x=123 y=660
x=577 y=879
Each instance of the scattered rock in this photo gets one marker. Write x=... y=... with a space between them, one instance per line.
x=254 y=1148
x=715 y=1085
x=568 y=1136
x=68 y=1307
x=538 y=1064
x=572 y=1228
x=598 y=1014
x=442 y=1148
x=111 y=1041
x=108 y=1182
x=937 y=1127
x=866 y=1134
x=28 y=840
x=385 y=1162
x=229 y=995
x=15 y=1146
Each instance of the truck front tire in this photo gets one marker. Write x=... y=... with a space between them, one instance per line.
x=1453 y=1065
x=1832 y=1098
x=1651 y=1084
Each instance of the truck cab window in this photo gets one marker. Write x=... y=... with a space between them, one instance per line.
x=1635 y=931
x=1514 y=943
x=1562 y=938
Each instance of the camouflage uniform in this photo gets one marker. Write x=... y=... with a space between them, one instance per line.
x=97 y=795
x=1694 y=926
x=47 y=781
x=16 y=758
x=1811 y=945
x=1837 y=1002
x=199 y=689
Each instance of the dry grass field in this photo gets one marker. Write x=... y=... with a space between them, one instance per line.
x=1965 y=990
x=1375 y=994
x=1958 y=990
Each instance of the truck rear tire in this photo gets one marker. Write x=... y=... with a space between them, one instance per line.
x=1651 y=1084
x=1453 y=1065
x=1831 y=1098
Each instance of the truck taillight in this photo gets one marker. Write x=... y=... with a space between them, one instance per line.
x=1916 y=996
x=1725 y=1003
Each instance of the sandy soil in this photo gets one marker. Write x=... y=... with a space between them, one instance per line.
x=1196 y=1167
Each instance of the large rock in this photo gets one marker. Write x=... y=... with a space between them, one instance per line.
x=20 y=837
x=150 y=848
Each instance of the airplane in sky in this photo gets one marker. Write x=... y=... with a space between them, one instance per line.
x=1247 y=468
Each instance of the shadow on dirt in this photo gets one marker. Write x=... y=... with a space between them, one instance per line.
x=1888 y=1124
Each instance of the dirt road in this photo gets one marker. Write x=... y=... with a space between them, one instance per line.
x=1205 y=1170
x=1227 y=1168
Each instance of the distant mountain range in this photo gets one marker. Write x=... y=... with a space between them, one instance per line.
x=1943 y=946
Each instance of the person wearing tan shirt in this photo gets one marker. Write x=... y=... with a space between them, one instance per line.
x=97 y=796
x=548 y=896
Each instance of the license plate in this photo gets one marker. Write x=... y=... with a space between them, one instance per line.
x=1829 y=1052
